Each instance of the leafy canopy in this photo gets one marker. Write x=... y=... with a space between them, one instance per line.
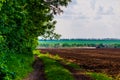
x=22 y=21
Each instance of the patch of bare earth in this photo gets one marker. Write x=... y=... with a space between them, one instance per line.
x=96 y=60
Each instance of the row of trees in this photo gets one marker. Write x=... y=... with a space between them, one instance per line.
x=57 y=45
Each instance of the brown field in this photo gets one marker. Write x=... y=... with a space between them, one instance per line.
x=97 y=60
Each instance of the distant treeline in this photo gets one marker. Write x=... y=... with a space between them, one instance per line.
x=98 y=43
x=79 y=39
x=57 y=45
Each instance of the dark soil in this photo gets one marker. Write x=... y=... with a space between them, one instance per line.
x=96 y=60
x=38 y=73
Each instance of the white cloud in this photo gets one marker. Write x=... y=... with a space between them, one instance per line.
x=93 y=3
x=90 y=19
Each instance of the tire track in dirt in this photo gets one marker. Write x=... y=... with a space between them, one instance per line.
x=38 y=73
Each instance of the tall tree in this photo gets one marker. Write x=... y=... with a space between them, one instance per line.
x=22 y=21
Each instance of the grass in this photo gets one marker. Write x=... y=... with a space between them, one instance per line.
x=66 y=62
x=53 y=69
x=99 y=76
x=61 y=60
x=19 y=65
x=73 y=65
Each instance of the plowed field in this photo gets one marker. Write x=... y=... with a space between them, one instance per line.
x=97 y=60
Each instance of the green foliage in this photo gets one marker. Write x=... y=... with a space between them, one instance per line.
x=1 y=3
x=53 y=70
x=99 y=76
x=13 y=66
x=20 y=64
x=21 y=22
x=5 y=74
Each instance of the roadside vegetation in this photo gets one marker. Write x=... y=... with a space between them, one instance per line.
x=15 y=66
x=53 y=69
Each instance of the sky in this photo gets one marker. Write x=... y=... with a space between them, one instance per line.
x=90 y=19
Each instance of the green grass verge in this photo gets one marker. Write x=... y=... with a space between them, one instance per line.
x=66 y=62
x=99 y=76
x=53 y=69
x=16 y=66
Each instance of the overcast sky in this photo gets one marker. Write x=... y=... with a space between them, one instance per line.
x=90 y=19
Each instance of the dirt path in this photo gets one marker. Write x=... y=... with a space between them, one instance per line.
x=38 y=73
